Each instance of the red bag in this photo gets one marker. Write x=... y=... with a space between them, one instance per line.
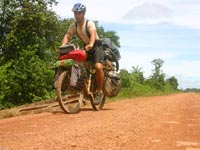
x=78 y=55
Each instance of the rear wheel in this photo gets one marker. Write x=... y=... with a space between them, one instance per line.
x=68 y=100
x=98 y=106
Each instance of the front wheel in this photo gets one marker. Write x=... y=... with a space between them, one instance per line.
x=68 y=100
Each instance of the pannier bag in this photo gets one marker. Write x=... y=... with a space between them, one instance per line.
x=112 y=84
x=78 y=73
x=75 y=75
x=78 y=76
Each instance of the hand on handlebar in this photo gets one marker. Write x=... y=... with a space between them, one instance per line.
x=88 y=47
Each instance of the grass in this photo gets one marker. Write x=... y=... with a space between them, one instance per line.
x=7 y=113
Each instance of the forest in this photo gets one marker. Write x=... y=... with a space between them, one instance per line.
x=30 y=33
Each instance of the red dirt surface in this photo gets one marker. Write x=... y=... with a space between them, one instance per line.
x=154 y=123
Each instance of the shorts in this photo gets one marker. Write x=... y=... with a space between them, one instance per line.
x=96 y=54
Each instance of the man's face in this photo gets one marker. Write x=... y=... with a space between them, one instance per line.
x=79 y=16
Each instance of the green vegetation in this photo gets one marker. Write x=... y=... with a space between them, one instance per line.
x=30 y=32
x=134 y=84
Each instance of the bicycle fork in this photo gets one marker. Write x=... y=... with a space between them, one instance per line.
x=89 y=86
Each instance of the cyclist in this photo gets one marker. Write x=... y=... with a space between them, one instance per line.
x=86 y=31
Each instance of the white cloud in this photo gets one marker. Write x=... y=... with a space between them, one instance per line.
x=183 y=13
x=187 y=81
x=148 y=12
x=188 y=21
x=187 y=68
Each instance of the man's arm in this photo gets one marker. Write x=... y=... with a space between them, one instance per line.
x=68 y=35
x=93 y=33
x=92 y=40
x=66 y=39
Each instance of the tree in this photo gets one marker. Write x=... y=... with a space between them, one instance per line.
x=173 y=82
x=25 y=80
x=125 y=78
x=28 y=32
x=27 y=25
x=138 y=74
x=157 y=72
x=158 y=77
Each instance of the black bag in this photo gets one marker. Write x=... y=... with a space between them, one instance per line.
x=109 y=47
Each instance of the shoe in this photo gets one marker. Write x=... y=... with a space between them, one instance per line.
x=98 y=98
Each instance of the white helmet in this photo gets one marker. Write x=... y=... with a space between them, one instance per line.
x=79 y=7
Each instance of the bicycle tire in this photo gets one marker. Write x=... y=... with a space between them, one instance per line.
x=68 y=101
x=97 y=106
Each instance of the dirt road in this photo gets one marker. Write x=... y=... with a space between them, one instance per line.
x=154 y=123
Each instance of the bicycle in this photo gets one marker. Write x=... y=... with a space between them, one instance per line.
x=70 y=99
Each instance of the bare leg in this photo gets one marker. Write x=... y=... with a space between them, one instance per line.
x=99 y=76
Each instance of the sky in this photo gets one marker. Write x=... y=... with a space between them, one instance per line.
x=148 y=30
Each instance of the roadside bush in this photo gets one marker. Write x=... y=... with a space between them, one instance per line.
x=25 y=80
